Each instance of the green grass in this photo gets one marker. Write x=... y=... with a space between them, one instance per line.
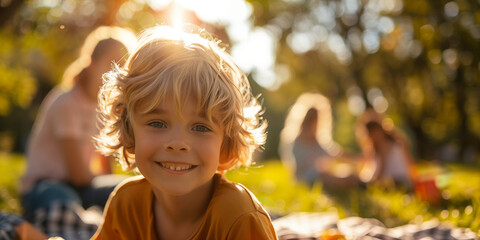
x=11 y=168
x=459 y=185
x=274 y=187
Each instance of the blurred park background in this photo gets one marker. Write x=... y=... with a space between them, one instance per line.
x=415 y=61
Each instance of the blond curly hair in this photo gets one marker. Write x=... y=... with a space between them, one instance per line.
x=169 y=61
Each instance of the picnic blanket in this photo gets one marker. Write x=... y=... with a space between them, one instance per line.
x=68 y=220
x=7 y=224
x=315 y=225
x=71 y=222
x=61 y=220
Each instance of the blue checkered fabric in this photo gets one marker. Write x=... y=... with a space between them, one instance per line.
x=312 y=225
x=67 y=220
x=7 y=223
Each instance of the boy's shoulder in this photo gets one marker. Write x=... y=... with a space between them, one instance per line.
x=132 y=187
x=234 y=198
x=133 y=183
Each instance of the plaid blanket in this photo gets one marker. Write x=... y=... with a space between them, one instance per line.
x=67 y=220
x=315 y=225
x=71 y=222
x=7 y=223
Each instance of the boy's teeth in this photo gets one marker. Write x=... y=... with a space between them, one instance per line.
x=175 y=167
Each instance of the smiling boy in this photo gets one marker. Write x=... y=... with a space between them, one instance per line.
x=182 y=113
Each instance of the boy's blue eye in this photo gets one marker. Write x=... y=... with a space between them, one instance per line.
x=201 y=128
x=157 y=124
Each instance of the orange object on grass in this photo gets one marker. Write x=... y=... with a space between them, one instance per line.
x=331 y=234
x=426 y=190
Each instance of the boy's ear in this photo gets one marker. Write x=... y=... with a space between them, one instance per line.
x=226 y=162
x=226 y=159
x=130 y=150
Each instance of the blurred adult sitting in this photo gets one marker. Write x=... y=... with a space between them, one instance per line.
x=386 y=152
x=306 y=144
x=62 y=165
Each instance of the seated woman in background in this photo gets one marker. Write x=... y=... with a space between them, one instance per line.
x=306 y=144
x=60 y=153
x=386 y=152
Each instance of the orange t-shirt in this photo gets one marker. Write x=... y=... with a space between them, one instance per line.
x=233 y=213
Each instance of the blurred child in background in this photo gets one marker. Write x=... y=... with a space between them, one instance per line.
x=386 y=152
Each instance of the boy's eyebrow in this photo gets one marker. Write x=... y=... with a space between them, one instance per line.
x=155 y=111
x=202 y=114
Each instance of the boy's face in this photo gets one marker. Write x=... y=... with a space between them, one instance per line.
x=177 y=154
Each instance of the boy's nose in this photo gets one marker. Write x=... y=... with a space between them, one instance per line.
x=177 y=142
x=177 y=146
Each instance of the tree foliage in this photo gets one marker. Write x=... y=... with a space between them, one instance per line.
x=39 y=39
x=420 y=57
x=415 y=60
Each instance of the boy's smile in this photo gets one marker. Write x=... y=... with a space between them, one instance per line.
x=177 y=151
x=176 y=167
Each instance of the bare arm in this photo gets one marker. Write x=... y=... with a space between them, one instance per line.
x=27 y=231
x=370 y=168
x=380 y=163
x=79 y=173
